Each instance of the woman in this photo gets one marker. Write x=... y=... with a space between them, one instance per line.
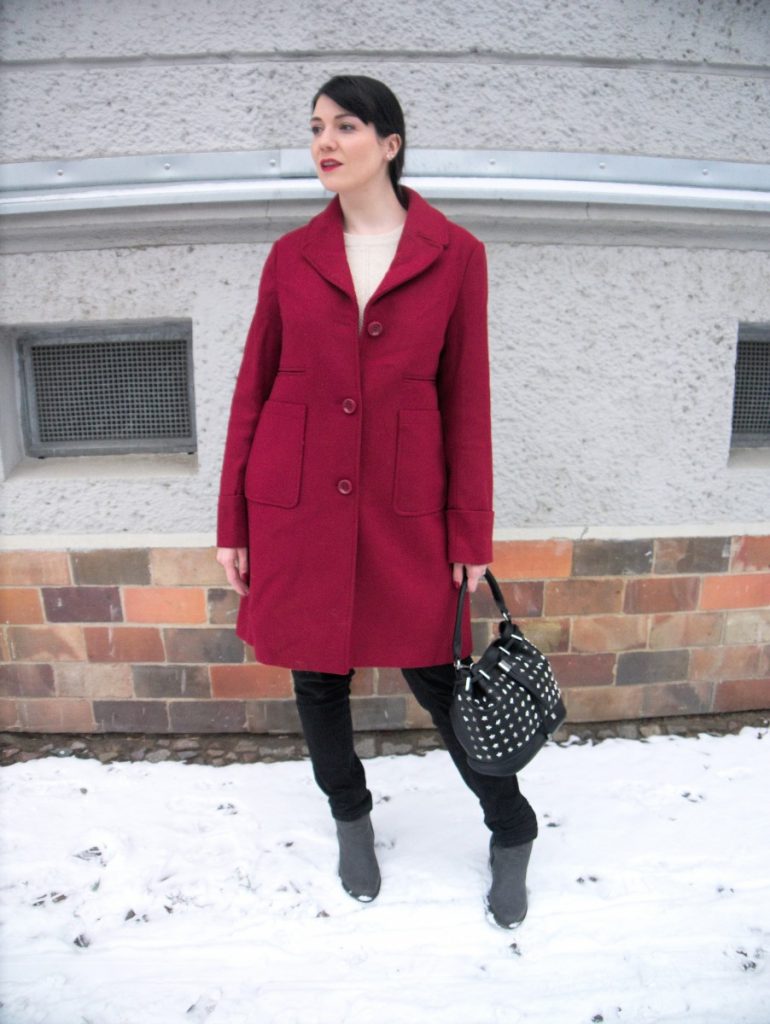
x=357 y=479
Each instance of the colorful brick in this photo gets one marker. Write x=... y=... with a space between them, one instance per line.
x=376 y=713
x=223 y=604
x=550 y=635
x=667 y=699
x=583 y=669
x=521 y=599
x=742 y=695
x=751 y=554
x=93 y=681
x=532 y=559
x=19 y=680
x=207 y=716
x=691 y=555
x=746 y=661
x=686 y=629
x=173 y=567
x=603 y=703
x=636 y=667
x=30 y=568
x=250 y=681
x=20 y=605
x=612 y=557
x=82 y=604
x=111 y=566
x=159 y=681
x=124 y=643
x=584 y=597
x=609 y=633
x=54 y=714
x=749 y=627
x=46 y=643
x=662 y=594
x=9 y=714
x=209 y=646
x=165 y=605
x=740 y=591
x=149 y=716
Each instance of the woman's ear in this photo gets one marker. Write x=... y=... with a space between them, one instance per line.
x=394 y=144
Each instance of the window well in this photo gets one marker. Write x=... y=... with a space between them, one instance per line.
x=751 y=404
x=106 y=389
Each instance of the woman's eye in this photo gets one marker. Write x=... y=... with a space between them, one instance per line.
x=346 y=127
x=314 y=129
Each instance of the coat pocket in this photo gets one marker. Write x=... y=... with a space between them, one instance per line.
x=274 y=469
x=420 y=478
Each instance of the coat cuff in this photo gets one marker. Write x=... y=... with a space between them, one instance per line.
x=232 y=521
x=469 y=536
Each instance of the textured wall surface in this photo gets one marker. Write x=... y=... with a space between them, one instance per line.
x=612 y=366
x=717 y=31
x=632 y=76
x=612 y=380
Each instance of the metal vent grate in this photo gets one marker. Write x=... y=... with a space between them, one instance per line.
x=751 y=404
x=108 y=389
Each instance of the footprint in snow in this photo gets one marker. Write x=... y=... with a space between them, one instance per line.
x=92 y=853
x=49 y=897
x=204 y=1006
x=749 y=963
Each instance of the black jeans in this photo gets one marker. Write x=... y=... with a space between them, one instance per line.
x=323 y=702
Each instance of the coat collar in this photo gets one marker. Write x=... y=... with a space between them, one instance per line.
x=423 y=239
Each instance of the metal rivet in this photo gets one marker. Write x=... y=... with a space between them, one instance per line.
x=166 y=167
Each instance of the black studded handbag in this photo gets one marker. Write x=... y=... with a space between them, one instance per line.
x=507 y=704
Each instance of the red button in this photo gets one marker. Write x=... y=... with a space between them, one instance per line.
x=344 y=486
x=349 y=406
x=374 y=328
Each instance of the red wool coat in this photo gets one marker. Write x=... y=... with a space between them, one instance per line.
x=358 y=465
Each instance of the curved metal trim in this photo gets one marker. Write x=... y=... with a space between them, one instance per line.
x=287 y=174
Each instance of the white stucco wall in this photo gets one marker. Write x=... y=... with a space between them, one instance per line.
x=671 y=77
x=612 y=382
x=612 y=364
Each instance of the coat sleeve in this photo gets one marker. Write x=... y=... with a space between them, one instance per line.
x=259 y=366
x=464 y=398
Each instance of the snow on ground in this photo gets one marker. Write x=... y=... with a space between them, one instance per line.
x=137 y=893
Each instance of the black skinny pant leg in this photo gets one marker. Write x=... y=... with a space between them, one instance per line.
x=507 y=813
x=323 y=703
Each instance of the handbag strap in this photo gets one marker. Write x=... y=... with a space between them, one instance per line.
x=497 y=593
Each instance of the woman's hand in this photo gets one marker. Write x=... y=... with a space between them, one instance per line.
x=475 y=573
x=235 y=562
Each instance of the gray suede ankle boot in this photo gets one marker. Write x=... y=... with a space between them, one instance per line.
x=507 y=898
x=358 y=868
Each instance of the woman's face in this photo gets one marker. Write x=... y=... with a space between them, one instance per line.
x=347 y=153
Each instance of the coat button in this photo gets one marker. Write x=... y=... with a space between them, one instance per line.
x=375 y=328
x=349 y=406
x=344 y=486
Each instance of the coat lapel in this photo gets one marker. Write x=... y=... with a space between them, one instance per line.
x=422 y=241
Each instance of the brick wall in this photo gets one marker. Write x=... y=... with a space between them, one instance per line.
x=142 y=640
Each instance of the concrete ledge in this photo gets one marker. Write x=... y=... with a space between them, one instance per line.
x=228 y=748
x=576 y=198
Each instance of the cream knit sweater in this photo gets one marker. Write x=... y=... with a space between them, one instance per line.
x=369 y=257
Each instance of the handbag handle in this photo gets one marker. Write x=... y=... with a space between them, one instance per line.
x=497 y=593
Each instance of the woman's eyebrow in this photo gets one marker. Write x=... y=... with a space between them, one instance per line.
x=336 y=116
